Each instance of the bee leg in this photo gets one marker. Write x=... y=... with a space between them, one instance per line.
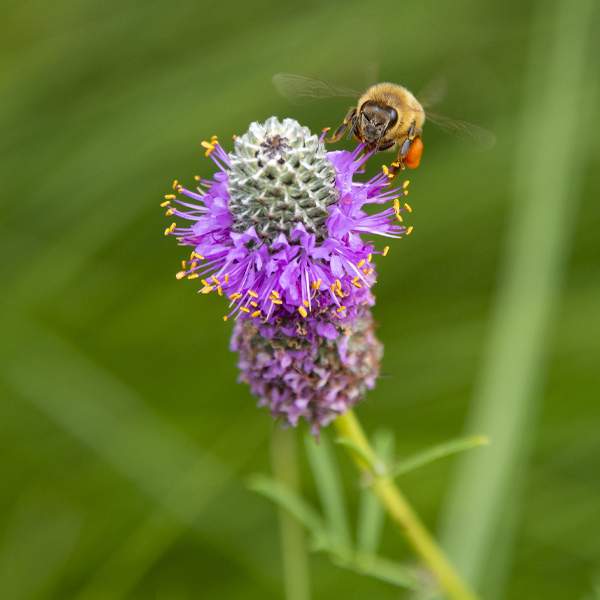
x=395 y=168
x=409 y=154
x=387 y=146
x=339 y=132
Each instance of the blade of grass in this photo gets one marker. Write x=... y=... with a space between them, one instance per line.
x=113 y=421
x=329 y=486
x=546 y=191
x=284 y=461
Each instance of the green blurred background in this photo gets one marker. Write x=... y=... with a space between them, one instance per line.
x=125 y=440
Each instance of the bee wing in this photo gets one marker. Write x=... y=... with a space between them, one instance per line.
x=433 y=93
x=477 y=138
x=300 y=90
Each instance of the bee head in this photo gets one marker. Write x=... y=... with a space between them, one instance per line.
x=375 y=120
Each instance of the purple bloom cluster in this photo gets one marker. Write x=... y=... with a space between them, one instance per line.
x=278 y=231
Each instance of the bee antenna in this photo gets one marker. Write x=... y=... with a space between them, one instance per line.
x=381 y=137
x=353 y=128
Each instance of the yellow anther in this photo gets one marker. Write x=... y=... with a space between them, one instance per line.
x=305 y=302
x=340 y=294
x=205 y=282
x=369 y=258
x=396 y=205
x=181 y=275
x=226 y=278
x=196 y=255
x=341 y=308
x=233 y=137
x=399 y=217
x=197 y=177
x=207 y=289
x=193 y=276
x=183 y=263
x=253 y=294
x=405 y=184
x=356 y=279
x=169 y=212
x=213 y=138
x=406 y=192
x=314 y=285
x=357 y=284
x=360 y=264
x=274 y=293
x=225 y=318
x=302 y=311
x=193 y=265
x=243 y=308
x=215 y=280
x=173 y=225
x=167 y=231
x=253 y=304
x=407 y=207
x=235 y=296
x=170 y=197
x=207 y=145
x=338 y=285
x=207 y=153
x=396 y=164
x=255 y=313
x=175 y=184
x=409 y=230
x=385 y=169
x=219 y=291
x=333 y=287
x=165 y=203
x=370 y=271
x=365 y=270
x=276 y=301
x=385 y=251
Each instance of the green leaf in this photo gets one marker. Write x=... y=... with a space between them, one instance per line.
x=329 y=486
x=345 y=441
x=290 y=501
x=446 y=449
x=371 y=514
x=380 y=568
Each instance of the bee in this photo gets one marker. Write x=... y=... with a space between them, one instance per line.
x=386 y=117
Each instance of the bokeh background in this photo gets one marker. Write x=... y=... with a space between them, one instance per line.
x=125 y=440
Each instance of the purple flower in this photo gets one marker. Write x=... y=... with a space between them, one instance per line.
x=278 y=231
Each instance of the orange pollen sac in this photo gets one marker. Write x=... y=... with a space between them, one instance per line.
x=413 y=158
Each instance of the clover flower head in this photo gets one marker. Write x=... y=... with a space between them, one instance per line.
x=278 y=232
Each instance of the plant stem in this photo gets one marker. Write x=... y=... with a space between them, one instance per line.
x=402 y=513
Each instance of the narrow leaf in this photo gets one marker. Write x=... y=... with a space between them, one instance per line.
x=329 y=486
x=371 y=515
x=290 y=501
x=382 y=569
x=452 y=447
x=345 y=441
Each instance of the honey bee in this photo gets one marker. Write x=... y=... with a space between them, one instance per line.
x=387 y=116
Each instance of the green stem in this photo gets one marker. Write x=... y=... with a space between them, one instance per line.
x=296 y=581
x=402 y=513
